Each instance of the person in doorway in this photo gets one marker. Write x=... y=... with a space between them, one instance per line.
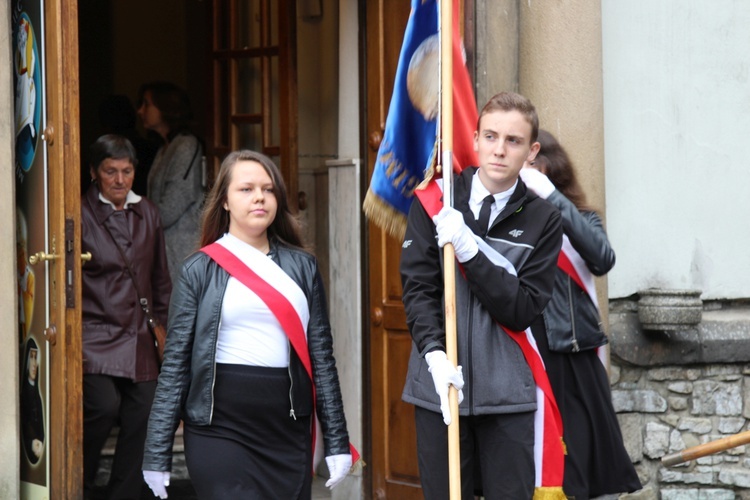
x=175 y=182
x=249 y=310
x=506 y=241
x=117 y=115
x=32 y=413
x=596 y=463
x=127 y=274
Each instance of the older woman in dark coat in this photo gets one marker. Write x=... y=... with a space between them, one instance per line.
x=124 y=234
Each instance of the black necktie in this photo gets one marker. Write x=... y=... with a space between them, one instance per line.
x=484 y=214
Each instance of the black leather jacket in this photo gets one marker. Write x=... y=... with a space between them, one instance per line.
x=185 y=388
x=572 y=320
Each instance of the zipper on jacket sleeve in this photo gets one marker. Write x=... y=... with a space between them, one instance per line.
x=291 y=383
x=572 y=318
x=213 y=375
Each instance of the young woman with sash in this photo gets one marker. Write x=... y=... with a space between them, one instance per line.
x=596 y=463
x=248 y=363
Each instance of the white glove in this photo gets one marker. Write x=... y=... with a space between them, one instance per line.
x=537 y=182
x=445 y=374
x=338 y=468
x=451 y=228
x=157 y=481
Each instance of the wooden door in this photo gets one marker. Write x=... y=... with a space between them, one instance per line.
x=393 y=464
x=255 y=83
x=47 y=197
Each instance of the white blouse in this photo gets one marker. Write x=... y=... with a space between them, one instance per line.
x=249 y=333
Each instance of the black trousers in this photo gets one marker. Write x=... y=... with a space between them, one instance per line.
x=499 y=448
x=108 y=401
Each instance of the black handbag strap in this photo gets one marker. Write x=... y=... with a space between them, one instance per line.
x=141 y=299
x=192 y=160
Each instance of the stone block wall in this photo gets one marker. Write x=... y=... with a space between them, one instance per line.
x=679 y=390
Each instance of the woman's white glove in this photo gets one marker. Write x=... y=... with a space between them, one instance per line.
x=445 y=374
x=157 y=481
x=537 y=182
x=338 y=468
x=451 y=228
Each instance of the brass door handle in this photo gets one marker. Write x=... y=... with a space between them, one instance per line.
x=50 y=334
x=48 y=135
x=377 y=316
x=41 y=257
x=85 y=257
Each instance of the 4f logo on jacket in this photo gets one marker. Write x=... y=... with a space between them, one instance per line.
x=515 y=233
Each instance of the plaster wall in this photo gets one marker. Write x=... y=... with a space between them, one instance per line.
x=9 y=438
x=677 y=112
x=560 y=70
x=345 y=223
x=317 y=74
x=497 y=39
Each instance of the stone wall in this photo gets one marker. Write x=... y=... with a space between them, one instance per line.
x=675 y=390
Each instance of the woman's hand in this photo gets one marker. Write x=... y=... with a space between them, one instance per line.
x=338 y=467
x=157 y=481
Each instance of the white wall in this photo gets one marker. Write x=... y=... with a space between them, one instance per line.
x=677 y=144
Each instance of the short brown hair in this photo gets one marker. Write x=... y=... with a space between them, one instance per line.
x=111 y=146
x=510 y=101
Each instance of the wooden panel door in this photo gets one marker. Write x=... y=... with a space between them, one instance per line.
x=393 y=464
x=48 y=201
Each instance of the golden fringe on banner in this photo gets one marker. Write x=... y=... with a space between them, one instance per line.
x=384 y=215
x=549 y=493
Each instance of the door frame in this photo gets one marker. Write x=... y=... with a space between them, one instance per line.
x=62 y=137
x=61 y=131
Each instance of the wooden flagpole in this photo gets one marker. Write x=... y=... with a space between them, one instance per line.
x=704 y=449
x=446 y=128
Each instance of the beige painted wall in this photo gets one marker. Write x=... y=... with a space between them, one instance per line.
x=560 y=70
x=496 y=48
x=9 y=438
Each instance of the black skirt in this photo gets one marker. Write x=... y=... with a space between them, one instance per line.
x=253 y=448
x=596 y=462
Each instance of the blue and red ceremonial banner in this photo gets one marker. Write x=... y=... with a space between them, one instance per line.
x=407 y=151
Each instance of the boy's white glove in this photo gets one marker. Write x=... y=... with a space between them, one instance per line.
x=451 y=228
x=445 y=374
x=338 y=468
x=537 y=182
x=157 y=481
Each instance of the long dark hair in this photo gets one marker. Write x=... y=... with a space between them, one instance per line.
x=553 y=161
x=285 y=227
x=173 y=103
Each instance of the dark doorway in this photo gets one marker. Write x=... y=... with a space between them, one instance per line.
x=125 y=44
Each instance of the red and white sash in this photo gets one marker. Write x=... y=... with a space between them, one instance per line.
x=292 y=319
x=572 y=264
x=549 y=449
